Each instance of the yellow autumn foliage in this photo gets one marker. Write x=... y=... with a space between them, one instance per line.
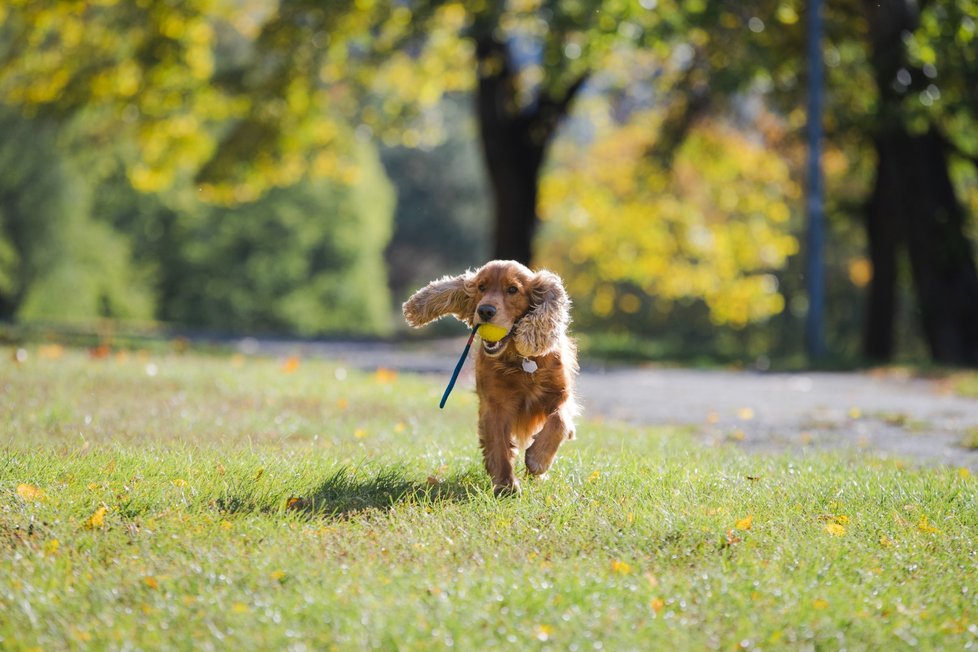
x=714 y=227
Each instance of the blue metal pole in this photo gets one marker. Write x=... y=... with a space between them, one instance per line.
x=815 y=236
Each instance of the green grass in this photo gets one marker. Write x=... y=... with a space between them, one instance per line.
x=250 y=508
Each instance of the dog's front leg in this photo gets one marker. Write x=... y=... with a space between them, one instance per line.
x=540 y=455
x=499 y=452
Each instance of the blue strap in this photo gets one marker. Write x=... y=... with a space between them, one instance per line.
x=458 y=368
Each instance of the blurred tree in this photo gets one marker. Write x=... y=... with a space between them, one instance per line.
x=286 y=263
x=56 y=259
x=232 y=99
x=165 y=89
x=140 y=73
x=713 y=226
x=442 y=221
x=390 y=63
x=901 y=77
x=305 y=259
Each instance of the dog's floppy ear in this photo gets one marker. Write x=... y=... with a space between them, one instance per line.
x=449 y=295
x=542 y=328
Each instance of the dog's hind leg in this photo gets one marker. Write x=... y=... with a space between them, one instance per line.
x=540 y=455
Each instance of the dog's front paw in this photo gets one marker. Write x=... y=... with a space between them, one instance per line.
x=536 y=463
x=509 y=487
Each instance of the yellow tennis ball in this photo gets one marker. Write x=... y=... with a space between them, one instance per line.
x=491 y=332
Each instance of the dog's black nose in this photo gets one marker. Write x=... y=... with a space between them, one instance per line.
x=486 y=312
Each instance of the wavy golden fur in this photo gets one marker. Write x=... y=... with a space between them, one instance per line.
x=518 y=409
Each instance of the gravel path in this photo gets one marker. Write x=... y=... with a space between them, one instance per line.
x=909 y=418
x=913 y=419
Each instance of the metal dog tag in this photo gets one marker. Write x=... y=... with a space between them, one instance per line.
x=529 y=366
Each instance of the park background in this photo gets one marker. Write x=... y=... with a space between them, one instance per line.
x=295 y=168
x=298 y=168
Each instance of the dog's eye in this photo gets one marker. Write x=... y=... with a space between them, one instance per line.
x=482 y=287
x=512 y=289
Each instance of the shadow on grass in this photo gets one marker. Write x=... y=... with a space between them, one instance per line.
x=343 y=493
x=349 y=492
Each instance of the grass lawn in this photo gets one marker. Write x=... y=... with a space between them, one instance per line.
x=196 y=502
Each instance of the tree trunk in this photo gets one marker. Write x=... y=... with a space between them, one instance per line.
x=914 y=204
x=514 y=142
x=941 y=258
x=882 y=229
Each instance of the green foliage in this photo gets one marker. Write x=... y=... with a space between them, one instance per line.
x=343 y=510
x=57 y=260
x=155 y=125
x=306 y=259
x=93 y=277
x=943 y=53
x=442 y=221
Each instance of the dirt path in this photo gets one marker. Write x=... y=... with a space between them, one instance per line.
x=909 y=418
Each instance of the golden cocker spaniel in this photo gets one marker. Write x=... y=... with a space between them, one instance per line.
x=525 y=381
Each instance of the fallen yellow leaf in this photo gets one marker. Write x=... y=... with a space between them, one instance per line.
x=51 y=547
x=29 y=493
x=620 y=567
x=151 y=582
x=925 y=526
x=50 y=351
x=820 y=603
x=835 y=529
x=657 y=605
x=97 y=519
x=745 y=523
x=290 y=365
x=384 y=375
x=745 y=413
x=295 y=502
x=594 y=476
